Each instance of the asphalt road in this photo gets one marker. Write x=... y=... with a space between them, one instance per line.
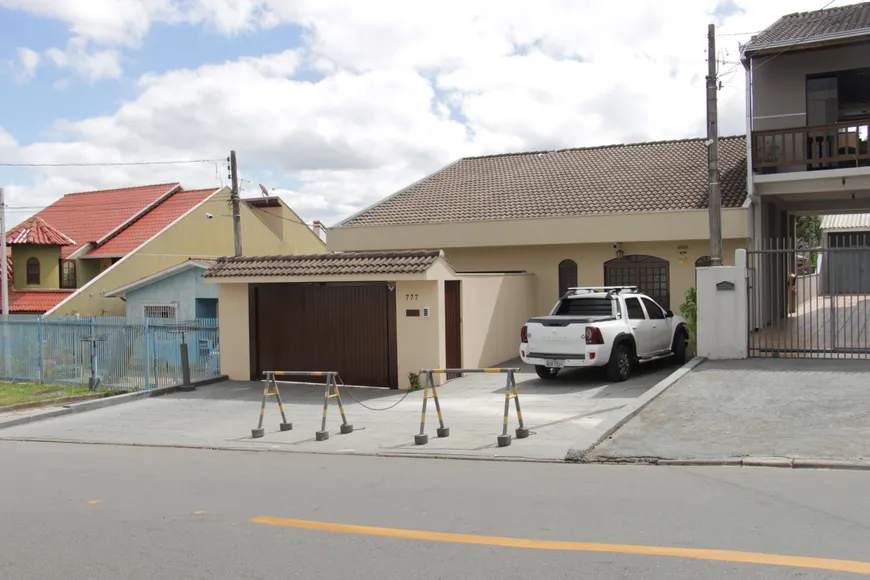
x=94 y=512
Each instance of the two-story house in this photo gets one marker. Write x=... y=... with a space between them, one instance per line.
x=808 y=115
x=70 y=256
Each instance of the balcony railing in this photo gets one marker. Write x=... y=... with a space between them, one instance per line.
x=833 y=146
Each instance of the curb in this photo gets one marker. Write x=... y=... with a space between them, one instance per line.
x=579 y=455
x=777 y=462
x=385 y=454
x=103 y=403
x=60 y=402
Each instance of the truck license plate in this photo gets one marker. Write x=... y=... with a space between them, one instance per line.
x=555 y=364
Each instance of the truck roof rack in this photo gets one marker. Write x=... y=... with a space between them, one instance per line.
x=607 y=289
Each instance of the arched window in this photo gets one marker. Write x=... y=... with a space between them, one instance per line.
x=33 y=272
x=567 y=276
x=651 y=275
x=703 y=262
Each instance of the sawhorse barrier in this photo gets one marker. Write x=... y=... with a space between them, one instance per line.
x=511 y=392
x=331 y=392
x=270 y=382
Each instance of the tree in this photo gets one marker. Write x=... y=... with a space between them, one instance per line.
x=809 y=231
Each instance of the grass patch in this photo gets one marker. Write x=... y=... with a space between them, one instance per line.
x=18 y=393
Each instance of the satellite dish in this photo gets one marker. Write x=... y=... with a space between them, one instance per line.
x=264 y=190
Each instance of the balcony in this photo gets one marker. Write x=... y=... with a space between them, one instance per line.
x=834 y=146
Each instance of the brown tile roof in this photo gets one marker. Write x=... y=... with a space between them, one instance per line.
x=338 y=264
x=37 y=231
x=802 y=27
x=642 y=177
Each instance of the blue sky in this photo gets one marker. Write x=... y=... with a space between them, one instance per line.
x=167 y=47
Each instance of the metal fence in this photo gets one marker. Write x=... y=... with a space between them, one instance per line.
x=810 y=302
x=121 y=353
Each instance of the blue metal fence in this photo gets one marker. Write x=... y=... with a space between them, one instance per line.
x=122 y=353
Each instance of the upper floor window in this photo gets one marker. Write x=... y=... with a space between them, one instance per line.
x=68 y=274
x=33 y=277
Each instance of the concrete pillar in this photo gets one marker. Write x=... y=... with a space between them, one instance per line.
x=723 y=310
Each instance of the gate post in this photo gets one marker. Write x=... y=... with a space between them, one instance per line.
x=723 y=310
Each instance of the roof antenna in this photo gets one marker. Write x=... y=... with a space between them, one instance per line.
x=264 y=190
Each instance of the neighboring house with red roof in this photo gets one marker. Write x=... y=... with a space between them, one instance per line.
x=67 y=257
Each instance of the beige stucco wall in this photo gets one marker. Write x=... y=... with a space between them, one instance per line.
x=420 y=340
x=191 y=236
x=543 y=262
x=234 y=331
x=49 y=266
x=627 y=227
x=494 y=308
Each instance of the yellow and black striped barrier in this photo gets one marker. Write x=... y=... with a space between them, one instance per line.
x=330 y=393
x=270 y=383
x=511 y=392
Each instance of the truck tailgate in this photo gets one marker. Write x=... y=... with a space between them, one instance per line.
x=555 y=337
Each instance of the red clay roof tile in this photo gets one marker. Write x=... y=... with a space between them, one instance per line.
x=38 y=232
x=89 y=216
x=150 y=224
x=35 y=301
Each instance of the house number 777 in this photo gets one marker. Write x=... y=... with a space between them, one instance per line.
x=410 y=297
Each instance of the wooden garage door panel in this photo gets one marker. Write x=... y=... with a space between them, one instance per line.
x=315 y=327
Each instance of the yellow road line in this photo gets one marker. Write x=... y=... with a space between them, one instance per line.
x=852 y=566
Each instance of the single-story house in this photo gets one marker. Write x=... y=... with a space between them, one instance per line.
x=445 y=272
x=177 y=293
x=614 y=215
x=374 y=317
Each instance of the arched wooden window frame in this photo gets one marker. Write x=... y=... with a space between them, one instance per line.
x=68 y=274
x=33 y=273
x=567 y=276
x=642 y=271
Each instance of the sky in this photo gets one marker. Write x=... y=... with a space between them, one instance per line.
x=335 y=104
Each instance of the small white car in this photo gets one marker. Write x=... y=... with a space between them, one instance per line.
x=612 y=326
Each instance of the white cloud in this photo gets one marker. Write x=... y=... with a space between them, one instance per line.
x=92 y=65
x=406 y=88
x=28 y=61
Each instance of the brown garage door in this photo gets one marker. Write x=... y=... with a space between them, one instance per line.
x=349 y=328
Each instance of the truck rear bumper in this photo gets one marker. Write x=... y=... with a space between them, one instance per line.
x=591 y=358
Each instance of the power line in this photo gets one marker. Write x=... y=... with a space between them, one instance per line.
x=112 y=164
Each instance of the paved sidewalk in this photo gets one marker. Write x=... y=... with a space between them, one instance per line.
x=570 y=412
x=759 y=408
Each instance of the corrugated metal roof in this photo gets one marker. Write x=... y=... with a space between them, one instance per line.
x=338 y=264
x=851 y=221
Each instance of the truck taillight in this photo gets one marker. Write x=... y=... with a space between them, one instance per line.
x=524 y=334
x=593 y=335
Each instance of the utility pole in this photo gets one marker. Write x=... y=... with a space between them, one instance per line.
x=234 y=197
x=714 y=193
x=4 y=261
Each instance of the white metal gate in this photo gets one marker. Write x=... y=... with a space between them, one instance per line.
x=810 y=302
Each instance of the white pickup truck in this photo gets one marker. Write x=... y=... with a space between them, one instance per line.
x=613 y=326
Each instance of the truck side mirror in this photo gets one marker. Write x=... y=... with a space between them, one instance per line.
x=669 y=313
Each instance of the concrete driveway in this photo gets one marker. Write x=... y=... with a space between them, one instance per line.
x=789 y=409
x=572 y=411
